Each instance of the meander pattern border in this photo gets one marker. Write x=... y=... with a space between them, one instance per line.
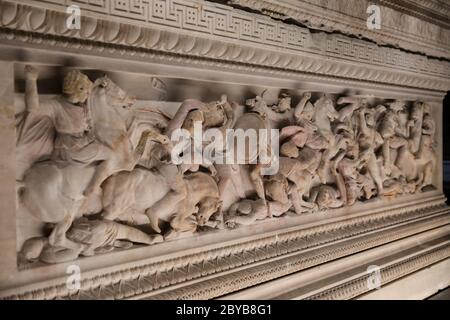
x=427 y=16
x=268 y=44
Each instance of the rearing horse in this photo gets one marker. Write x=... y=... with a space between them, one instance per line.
x=324 y=114
x=109 y=106
x=55 y=194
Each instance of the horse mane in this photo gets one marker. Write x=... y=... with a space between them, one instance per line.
x=107 y=123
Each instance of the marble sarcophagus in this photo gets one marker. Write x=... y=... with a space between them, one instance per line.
x=175 y=149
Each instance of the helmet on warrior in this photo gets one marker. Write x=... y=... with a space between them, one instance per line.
x=76 y=87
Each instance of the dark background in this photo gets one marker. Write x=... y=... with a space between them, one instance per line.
x=446 y=145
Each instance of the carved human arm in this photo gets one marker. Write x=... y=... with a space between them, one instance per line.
x=31 y=92
x=228 y=108
x=301 y=105
x=279 y=116
x=362 y=122
x=355 y=103
x=178 y=120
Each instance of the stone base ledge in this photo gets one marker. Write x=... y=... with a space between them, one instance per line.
x=414 y=267
x=218 y=269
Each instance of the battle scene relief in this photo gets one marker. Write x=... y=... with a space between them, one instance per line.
x=99 y=172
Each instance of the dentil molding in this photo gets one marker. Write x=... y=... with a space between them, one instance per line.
x=204 y=31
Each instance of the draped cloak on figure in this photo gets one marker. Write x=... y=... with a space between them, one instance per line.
x=56 y=130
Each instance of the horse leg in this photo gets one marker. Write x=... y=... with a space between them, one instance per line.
x=425 y=177
x=341 y=186
x=309 y=205
x=103 y=171
x=181 y=223
x=255 y=176
x=295 y=199
x=327 y=154
x=164 y=208
x=223 y=185
x=374 y=171
x=387 y=156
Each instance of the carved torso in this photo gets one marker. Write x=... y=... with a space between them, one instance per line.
x=68 y=119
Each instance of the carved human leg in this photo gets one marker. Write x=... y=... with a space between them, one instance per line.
x=374 y=171
x=119 y=159
x=255 y=176
x=294 y=197
x=58 y=237
x=277 y=208
x=425 y=176
x=122 y=157
x=243 y=219
x=135 y=235
x=321 y=171
x=59 y=255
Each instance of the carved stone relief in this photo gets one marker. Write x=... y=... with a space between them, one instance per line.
x=96 y=170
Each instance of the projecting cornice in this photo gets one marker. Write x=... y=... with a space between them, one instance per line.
x=413 y=25
x=434 y=11
x=205 y=32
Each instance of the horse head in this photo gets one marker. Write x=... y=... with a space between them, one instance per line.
x=152 y=134
x=324 y=114
x=115 y=96
x=109 y=107
x=331 y=112
x=208 y=207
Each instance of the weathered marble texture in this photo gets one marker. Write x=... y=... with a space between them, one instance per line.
x=334 y=152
